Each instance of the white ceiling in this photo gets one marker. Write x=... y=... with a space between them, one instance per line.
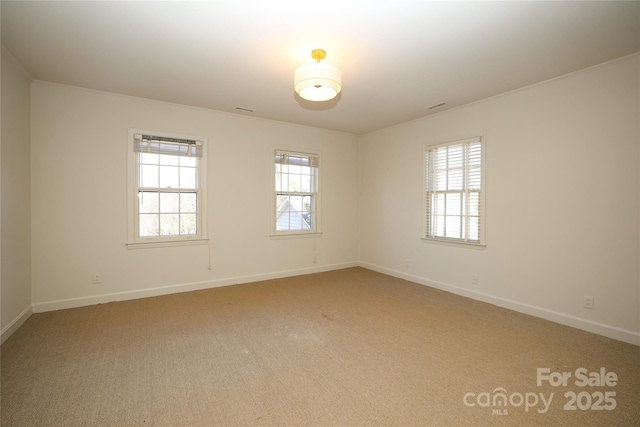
x=397 y=57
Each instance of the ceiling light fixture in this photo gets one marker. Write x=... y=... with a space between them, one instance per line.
x=318 y=82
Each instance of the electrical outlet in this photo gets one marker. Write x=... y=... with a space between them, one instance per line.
x=475 y=279
x=97 y=279
x=588 y=302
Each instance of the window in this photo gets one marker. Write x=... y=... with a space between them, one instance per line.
x=454 y=192
x=296 y=193
x=167 y=181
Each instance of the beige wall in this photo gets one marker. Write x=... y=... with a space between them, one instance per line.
x=562 y=185
x=79 y=220
x=15 y=191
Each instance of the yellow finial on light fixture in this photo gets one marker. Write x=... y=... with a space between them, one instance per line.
x=318 y=82
x=318 y=54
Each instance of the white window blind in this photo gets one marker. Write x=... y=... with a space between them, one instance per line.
x=169 y=146
x=454 y=208
x=284 y=158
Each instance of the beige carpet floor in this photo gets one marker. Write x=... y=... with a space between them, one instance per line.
x=350 y=347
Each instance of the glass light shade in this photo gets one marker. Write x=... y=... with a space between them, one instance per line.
x=318 y=82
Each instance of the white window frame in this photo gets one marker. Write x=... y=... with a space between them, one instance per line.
x=133 y=239
x=315 y=230
x=429 y=225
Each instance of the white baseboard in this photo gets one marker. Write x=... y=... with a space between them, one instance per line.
x=13 y=326
x=614 y=332
x=41 y=307
x=554 y=316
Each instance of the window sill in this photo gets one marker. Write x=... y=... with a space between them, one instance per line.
x=295 y=235
x=477 y=246
x=146 y=245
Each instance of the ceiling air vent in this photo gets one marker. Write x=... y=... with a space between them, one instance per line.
x=245 y=109
x=433 y=107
